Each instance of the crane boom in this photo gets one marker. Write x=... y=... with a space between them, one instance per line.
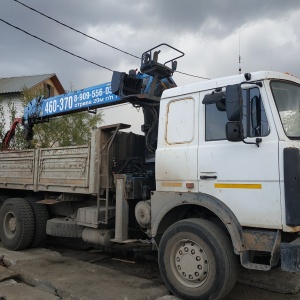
x=41 y=109
x=91 y=98
x=149 y=84
x=142 y=89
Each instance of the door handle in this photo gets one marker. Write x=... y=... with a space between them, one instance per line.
x=208 y=177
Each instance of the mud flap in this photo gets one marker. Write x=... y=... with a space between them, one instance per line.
x=290 y=257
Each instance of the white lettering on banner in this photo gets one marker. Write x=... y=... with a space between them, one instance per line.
x=78 y=100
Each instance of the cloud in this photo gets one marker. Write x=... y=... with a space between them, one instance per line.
x=209 y=32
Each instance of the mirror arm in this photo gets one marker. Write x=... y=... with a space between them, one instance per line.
x=257 y=141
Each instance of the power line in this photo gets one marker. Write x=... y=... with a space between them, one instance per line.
x=86 y=35
x=40 y=39
x=78 y=31
x=192 y=75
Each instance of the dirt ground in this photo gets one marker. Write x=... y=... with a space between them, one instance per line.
x=61 y=270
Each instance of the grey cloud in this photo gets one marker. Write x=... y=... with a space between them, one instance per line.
x=151 y=22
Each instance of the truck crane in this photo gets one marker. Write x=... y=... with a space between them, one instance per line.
x=214 y=181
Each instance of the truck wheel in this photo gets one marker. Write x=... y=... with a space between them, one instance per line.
x=196 y=260
x=16 y=224
x=64 y=227
x=2 y=199
x=41 y=216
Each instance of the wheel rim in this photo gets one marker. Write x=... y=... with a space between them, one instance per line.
x=10 y=225
x=189 y=263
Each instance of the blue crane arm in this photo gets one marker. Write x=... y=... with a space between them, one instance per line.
x=149 y=85
x=143 y=89
x=91 y=98
x=41 y=109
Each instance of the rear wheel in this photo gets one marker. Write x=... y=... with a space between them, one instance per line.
x=41 y=216
x=16 y=224
x=196 y=260
x=2 y=199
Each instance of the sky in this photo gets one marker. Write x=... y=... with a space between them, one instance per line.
x=211 y=33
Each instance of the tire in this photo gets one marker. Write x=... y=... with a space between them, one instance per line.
x=196 y=260
x=16 y=224
x=2 y=199
x=41 y=216
x=63 y=227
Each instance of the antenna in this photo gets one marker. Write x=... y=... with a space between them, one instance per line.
x=240 y=68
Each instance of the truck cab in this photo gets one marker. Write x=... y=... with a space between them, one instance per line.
x=249 y=179
x=228 y=152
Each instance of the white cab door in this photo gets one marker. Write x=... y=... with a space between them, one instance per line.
x=245 y=177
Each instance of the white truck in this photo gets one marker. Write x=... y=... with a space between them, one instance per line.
x=217 y=184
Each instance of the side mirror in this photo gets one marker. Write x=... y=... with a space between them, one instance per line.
x=233 y=132
x=234 y=102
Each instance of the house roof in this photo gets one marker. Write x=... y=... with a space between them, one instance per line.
x=17 y=84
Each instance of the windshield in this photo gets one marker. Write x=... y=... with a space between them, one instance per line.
x=287 y=99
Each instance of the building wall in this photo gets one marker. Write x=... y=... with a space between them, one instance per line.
x=45 y=86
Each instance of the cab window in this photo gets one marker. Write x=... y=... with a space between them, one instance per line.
x=255 y=121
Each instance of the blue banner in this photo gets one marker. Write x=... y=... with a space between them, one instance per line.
x=85 y=99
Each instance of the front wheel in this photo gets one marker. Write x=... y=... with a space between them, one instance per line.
x=196 y=260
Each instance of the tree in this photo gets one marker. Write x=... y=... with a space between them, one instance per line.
x=70 y=130
x=18 y=142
